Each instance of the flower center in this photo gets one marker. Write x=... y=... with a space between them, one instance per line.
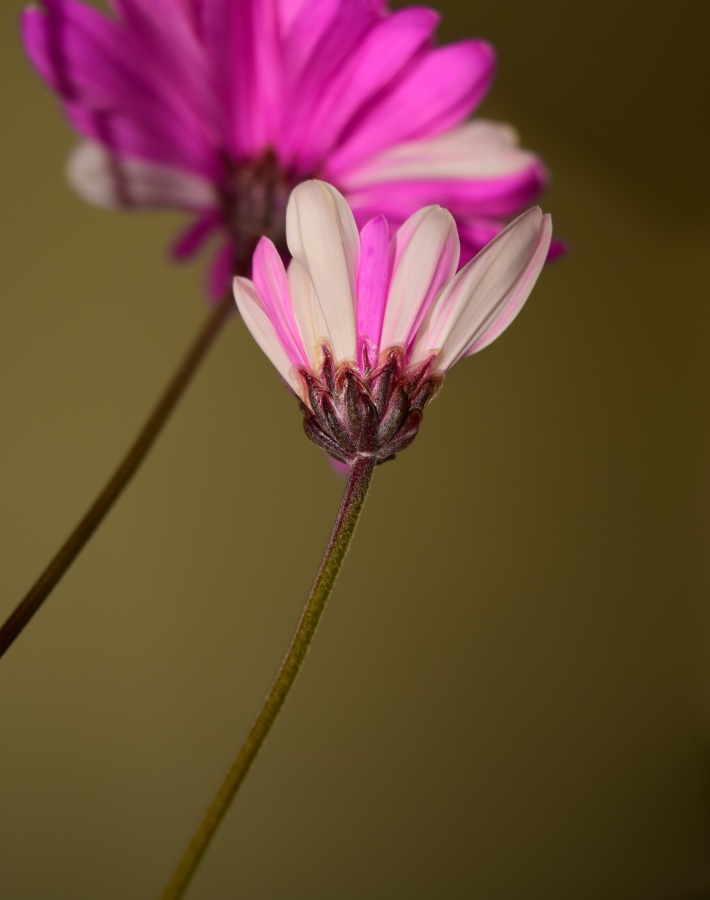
x=256 y=204
x=351 y=413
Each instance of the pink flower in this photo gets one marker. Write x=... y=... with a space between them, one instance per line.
x=363 y=327
x=220 y=107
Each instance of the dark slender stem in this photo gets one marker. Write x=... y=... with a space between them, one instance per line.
x=76 y=541
x=348 y=514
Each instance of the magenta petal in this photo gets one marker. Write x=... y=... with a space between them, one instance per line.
x=242 y=42
x=124 y=136
x=558 y=249
x=373 y=281
x=164 y=32
x=220 y=273
x=320 y=48
x=327 y=101
x=495 y=198
x=94 y=66
x=50 y=38
x=193 y=238
x=322 y=34
x=437 y=93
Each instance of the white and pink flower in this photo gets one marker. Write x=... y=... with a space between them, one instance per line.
x=363 y=326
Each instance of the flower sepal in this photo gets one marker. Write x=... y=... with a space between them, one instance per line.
x=350 y=413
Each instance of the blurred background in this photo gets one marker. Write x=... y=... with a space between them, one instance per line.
x=508 y=697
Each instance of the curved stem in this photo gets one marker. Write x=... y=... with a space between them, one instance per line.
x=348 y=514
x=76 y=541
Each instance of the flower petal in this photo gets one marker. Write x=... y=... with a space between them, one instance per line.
x=112 y=181
x=373 y=279
x=437 y=92
x=98 y=68
x=474 y=170
x=319 y=34
x=307 y=311
x=332 y=92
x=269 y=277
x=164 y=31
x=262 y=329
x=220 y=273
x=426 y=256
x=480 y=149
x=191 y=239
x=322 y=237
x=487 y=294
x=241 y=38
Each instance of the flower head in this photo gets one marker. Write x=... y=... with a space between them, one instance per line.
x=363 y=327
x=220 y=107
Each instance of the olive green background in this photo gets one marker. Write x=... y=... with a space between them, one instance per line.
x=508 y=698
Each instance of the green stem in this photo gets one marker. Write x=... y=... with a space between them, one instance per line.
x=348 y=514
x=91 y=520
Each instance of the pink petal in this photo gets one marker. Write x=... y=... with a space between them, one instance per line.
x=164 y=32
x=322 y=32
x=328 y=97
x=322 y=237
x=436 y=93
x=124 y=137
x=110 y=182
x=94 y=65
x=479 y=149
x=558 y=249
x=271 y=285
x=487 y=294
x=262 y=329
x=373 y=281
x=242 y=41
x=426 y=256
x=192 y=239
x=220 y=273
x=474 y=170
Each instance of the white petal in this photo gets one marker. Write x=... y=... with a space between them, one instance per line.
x=322 y=237
x=426 y=256
x=307 y=311
x=263 y=332
x=475 y=150
x=487 y=294
x=110 y=181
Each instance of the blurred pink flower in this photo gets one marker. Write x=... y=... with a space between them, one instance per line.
x=363 y=327
x=220 y=107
